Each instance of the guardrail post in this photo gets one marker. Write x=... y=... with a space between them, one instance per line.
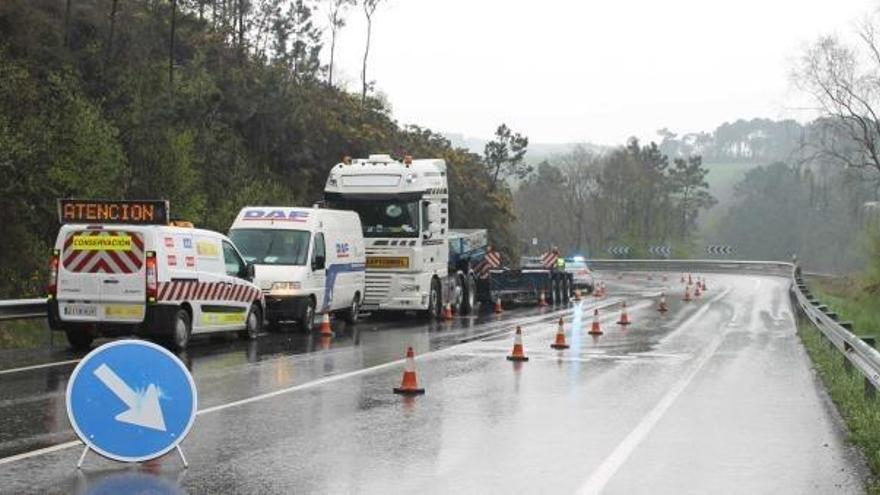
x=832 y=315
x=869 y=339
x=847 y=365
x=847 y=325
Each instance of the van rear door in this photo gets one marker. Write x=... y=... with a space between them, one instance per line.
x=102 y=275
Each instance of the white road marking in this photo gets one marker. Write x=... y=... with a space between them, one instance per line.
x=603 y=474
x=39 y=366
x=39 y=452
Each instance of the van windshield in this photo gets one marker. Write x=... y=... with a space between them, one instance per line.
x=272 y=246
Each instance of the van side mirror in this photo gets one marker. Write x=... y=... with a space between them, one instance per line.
x=250 y=272
x=318 y=263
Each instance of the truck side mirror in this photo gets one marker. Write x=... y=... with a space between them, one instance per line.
x=434 y=215
x=250 y=272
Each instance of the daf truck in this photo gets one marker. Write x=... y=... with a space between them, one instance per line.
x=414 y=262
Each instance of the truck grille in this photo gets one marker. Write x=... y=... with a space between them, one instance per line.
x=378 y=288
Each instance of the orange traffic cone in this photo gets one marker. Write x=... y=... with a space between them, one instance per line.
x=704 y=285
x=649 y=277
x=690 y=280
x=577 y=294
x=541 y=300
x=560 y=336
x=498 y=308
x=682 y=279
x=687 y=294
x=595 y=329
x=517 y=354
x=662 y=307
x=409 y=385
x=447 y=312
x=326 y=329
x=665 y=278
x=697 y=292
x=624 y=318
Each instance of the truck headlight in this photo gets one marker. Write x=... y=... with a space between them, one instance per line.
x=284 y=288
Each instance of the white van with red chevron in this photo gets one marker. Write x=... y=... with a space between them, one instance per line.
x=307 y=260
x=121 y=268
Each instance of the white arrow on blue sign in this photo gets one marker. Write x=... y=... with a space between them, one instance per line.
x=131 y=400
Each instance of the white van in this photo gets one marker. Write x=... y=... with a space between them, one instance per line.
x=307 y=260
x=122 y=274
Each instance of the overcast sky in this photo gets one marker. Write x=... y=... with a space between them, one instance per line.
x=583 y=70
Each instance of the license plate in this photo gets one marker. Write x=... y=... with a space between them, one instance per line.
x=387 y=262
x=81 y=310
x=127 y=311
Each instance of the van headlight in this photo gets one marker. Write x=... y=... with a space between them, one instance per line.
x=284 y=288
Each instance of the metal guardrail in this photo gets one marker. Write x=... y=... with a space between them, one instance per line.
x=21 y=309
x=857 y=353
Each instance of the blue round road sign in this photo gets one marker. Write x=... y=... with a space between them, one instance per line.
x=131 y=400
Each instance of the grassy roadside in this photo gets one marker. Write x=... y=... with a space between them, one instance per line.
x=862 y=415
x=27 y=334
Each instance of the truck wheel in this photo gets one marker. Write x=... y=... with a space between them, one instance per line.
x=253 y=324
x=435 y=302
x=181 y=330
x=351 y=314
x=80 y=338
x=469 y=296
x=307 y=320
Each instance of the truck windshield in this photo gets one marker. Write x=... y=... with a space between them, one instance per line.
x=384 y=217
x=272 y=246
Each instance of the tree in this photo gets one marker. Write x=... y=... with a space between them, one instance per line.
x=843 y=81
x=504 y=155
x=336 y=21
x=369 y=9
x=687 y=183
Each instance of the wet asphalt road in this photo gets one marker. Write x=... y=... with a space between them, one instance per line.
x=716 y=396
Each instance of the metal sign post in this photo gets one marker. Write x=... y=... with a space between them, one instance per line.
x=131 y=401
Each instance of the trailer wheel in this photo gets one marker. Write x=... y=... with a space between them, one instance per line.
x=469 y=299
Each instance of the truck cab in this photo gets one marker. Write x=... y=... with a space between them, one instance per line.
x=404 y=211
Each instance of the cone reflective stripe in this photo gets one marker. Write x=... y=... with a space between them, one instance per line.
x=687 y=294
x=447 y=312
x=560 y=336
x=541 y=300
x=595 y=329
x=517 y=354
x=409 y=385
x=662 y=307
x=624 y=318
x=325 y=325
x=498 y=308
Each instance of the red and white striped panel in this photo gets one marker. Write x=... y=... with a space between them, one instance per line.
x=493 y=258
x=96 y=261
x=186 y=290
x=549 y=258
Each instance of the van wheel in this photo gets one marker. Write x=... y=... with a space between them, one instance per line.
x=350 y=315
x=181 y=330
x=80 y=339
x=307 y=320
x=253 y=324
